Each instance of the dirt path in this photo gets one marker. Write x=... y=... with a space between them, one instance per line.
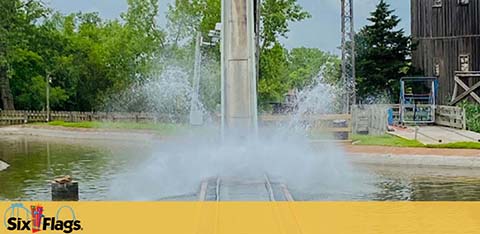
x=386 y=150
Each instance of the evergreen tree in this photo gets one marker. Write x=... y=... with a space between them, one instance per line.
x=383 y=55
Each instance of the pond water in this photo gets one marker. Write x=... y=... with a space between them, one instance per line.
x=95 y=164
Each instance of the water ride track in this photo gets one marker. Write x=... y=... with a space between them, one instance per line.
x=240 y=189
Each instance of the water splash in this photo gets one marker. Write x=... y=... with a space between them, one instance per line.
x=169 y=94
x=177 y=166
x=319 y=98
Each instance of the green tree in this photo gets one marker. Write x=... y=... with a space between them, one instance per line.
x=106 y=57
x=307 y=64
x=142 y=35
x=90 y=59
x=187 y=16
x=16 y=25
x=276 y=16
x=273 y=80
x=383 y=54
x=280 y=70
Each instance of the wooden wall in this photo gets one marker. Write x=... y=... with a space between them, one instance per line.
x=443 y=34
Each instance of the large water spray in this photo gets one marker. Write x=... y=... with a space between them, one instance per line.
x=178 y=166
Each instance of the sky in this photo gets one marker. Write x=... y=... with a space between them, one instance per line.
x=321 y=31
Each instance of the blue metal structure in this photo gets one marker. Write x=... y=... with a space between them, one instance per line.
x=418 y=99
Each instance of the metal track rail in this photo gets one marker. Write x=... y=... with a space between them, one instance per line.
x=217 y=189
x=287 y=193
x=211 y=189
x=268 y=186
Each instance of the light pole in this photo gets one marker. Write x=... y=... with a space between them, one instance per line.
x=49 y=80
x=196 y=115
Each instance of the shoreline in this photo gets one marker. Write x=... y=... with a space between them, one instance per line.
x=79 y=133
x=420 y=151
x=416 y=160
x=407 y=156
x=362 y=154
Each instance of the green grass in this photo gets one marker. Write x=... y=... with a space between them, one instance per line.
x=385 y=140
x=394 y=141
x=162 y=128
x=457 y=145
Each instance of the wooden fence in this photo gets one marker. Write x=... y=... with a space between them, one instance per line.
x=365 y=118
x=338 y=124
x=451 y=116
x=373 y=119
x=24 y=117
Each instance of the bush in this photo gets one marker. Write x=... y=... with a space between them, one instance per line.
x=473 y=116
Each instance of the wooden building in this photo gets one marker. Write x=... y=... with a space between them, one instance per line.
x=448 y=36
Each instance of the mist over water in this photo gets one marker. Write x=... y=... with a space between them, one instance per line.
x=177 y=166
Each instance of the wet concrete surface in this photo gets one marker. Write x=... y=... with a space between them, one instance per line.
x=437 y=134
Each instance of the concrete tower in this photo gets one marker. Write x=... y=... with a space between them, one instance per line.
x=239 y=82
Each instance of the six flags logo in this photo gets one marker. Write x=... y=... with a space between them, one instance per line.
x=34 y=220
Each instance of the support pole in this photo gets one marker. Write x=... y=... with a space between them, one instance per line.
x=348 y=55
x=48 y=97
x=239 y=83
x=196 y=115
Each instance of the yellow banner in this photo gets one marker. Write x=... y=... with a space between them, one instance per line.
x=240 y=217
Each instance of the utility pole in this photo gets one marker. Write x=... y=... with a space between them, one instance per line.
x=348 y=55
x=49 y=79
